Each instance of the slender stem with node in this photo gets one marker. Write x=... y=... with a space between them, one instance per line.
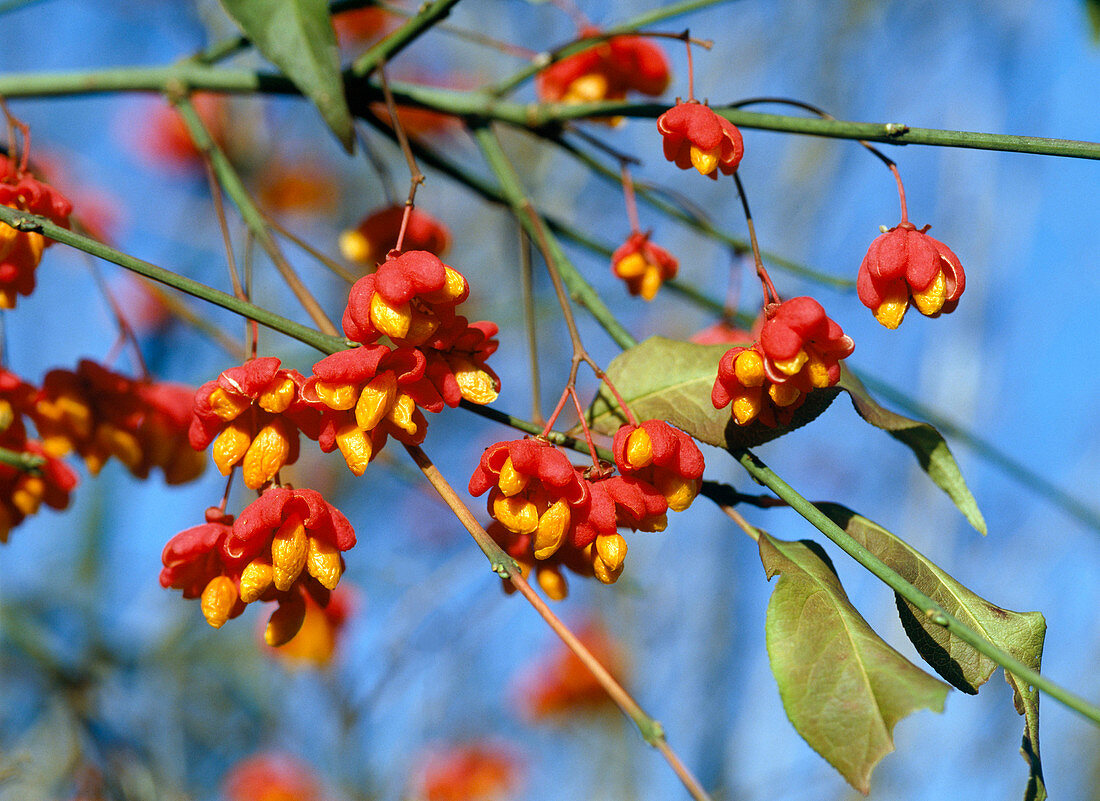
x=507 y=568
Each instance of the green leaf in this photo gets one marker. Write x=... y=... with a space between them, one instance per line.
x=297 y=37
x=1019 y=633
x=1092 y=7
x=927 y=444
x=667 y=379
x=842 y=686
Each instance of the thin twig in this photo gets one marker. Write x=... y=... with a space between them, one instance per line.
x=333 y=266
x=24 y=221
x=125 y=330
x=526 y=280
x=249 y=261
x=223 y=225
x=631 y=202
x=770 y=295
x=230 y=181
x=741 y=522
x=506 y=567
x=416 y=177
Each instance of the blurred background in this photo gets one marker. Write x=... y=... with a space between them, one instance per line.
x=112 y=687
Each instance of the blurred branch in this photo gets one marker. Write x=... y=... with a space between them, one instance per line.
x=394 y=43
x=544 y=60
x=579 y=289
x=24 y=221
x=1036 y=482
x=253 y=218
x=26 y=462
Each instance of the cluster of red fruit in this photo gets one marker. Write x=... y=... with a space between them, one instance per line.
x=767 y=381
x=288 y=543
x=799 y=347
x=21 y=251
x=551 y=514
x=95 y=413
x=605 y=71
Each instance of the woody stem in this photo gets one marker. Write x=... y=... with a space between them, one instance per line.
x=506 y=567
x=741 y=522
x=225 y=495
x=770 y=295
x=416 y=176
x=554 y=414
x=630 y=418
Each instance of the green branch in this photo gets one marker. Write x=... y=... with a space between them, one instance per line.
x=933 y=611
x=481 y=104
x=24 y=221
x=230 y=181
x=25 y=462
x=579 y=289
x=401 y=38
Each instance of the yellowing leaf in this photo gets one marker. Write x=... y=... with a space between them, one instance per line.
x=842 y=686
x=1019 y=633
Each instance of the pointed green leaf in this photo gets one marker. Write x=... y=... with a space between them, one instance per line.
x=1019 y=633
x=666 y=379
x=297 y=37
x=842 y=686
x=927 y=444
